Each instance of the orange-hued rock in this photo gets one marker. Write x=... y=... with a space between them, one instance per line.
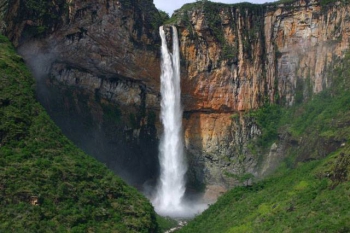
x=234 y=58
x=271 y=47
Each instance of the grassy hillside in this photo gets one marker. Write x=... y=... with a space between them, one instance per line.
x=294 y=200
x=46 y=183
x=310 y=192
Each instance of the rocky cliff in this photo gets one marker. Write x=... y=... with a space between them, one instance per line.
x=236 y=58
x=97 y=70
x=102 y=61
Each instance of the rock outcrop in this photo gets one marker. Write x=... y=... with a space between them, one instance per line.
x=235 y=58
x=97 y=69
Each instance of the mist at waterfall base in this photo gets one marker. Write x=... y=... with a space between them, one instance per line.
x=71 y=108
x=135 y=164
x=169 y=198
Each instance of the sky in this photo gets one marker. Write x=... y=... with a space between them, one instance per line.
x=170 y=5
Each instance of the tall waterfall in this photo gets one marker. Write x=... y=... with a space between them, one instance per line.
x=171 y=186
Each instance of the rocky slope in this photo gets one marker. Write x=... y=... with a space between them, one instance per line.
x=103 y=62
x=97 y=66
x=47 y=184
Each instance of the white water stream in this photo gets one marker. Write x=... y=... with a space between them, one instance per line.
x=171 y=185
x=169 y=199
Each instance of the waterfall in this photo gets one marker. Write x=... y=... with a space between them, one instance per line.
x=171 y=185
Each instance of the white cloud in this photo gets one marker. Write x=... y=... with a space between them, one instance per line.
x=169 y=6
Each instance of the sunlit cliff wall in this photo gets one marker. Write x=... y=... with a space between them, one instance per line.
x=234 y=58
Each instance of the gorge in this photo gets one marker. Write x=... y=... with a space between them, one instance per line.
x=97 y=69
x=105 y=82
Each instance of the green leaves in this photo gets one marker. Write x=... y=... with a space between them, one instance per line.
x=268 y=119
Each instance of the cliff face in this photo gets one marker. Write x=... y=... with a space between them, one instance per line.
x=41 y=169
x=97 y=69
x=237 y=57
x=96 y=45
x=102 y=61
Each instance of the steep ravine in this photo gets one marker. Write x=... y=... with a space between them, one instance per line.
x=101 y=70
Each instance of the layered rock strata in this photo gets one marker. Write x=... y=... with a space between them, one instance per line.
x=97 y=69
x=235 y=58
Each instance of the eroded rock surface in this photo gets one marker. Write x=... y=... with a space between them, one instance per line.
x=237 y=57
x=234 y=58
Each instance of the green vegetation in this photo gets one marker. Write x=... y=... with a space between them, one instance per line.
x=243 y=178
x=212 y=11
x=212 y=16
x=293 y=200
x=159 y=19
x=284 y=2
x=146 y=14
x=268 y=119
x=320 y=116
x=46 y=183
x=45 y=14
x=165 y=223
x=310 y=192
x=43 y=9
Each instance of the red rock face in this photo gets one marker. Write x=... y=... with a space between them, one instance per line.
x=271 y=49
x=252 y=54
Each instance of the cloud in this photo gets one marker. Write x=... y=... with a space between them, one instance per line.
x=170 y=6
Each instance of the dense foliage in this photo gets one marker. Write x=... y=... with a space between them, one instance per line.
x=311 y=190
x=46 y=183
x=46 y=15
x=294 y=200
x=146 y=12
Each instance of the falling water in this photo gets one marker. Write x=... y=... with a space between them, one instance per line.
x=171 y=186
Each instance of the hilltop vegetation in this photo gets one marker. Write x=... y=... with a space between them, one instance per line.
x=46 y=183
x=310 y=192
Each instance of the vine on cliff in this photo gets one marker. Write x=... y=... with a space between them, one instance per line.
x=212 y=14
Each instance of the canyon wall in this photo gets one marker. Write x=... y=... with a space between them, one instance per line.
x=97 y=65
x=235 y=59
x=100 y=63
